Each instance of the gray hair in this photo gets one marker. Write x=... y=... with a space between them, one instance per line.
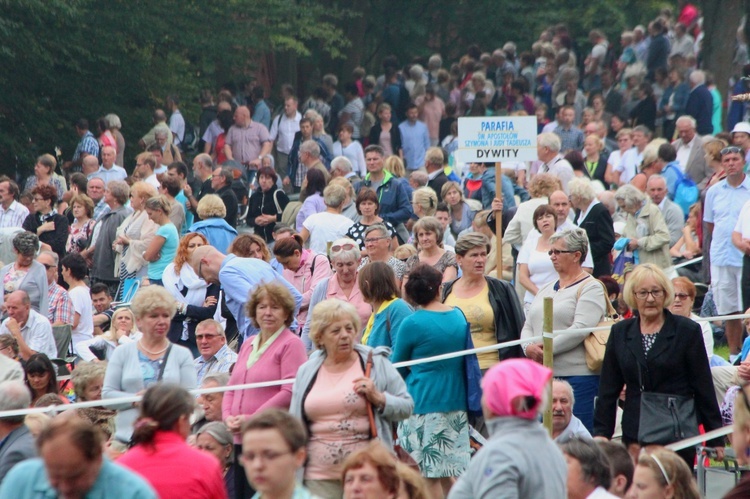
x=310 y=147
x=341 y=163
x=205 y=160
x=595 y=467
x=53 y=255
x=352 y=254
x=686 y=118
x=471 y=240
x=160 y=133
x=568 y=387
x=435 y=61
x=574 y=239
x=113 y=121
x=581 y=188
x=549 y=140
x=120 y=190
x=312 y=115
x=211 y=323
x=644 y=130
x=13 y=396
x=420 y=178
x=26 y=243
x=697 y=77
x=219 y=432
x=379 y=227
x=656 y=178
x=220 y=379
x=270 y=158
x=630 y=196
x=334 y=196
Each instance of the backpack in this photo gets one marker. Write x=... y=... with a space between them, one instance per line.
x=190 y=138
x=289 y=216
x=686 y=193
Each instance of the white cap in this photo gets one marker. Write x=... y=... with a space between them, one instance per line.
x=742 y=126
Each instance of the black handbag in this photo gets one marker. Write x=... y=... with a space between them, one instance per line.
x=665 y=418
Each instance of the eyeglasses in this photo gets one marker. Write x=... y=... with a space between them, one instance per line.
x=731 y=150
x=372 y=240
x=339 y=247
x=200 y=337
x=643 y=294
x=681 y=296
x=47 y=266
x=557 y=252
x=264 y=456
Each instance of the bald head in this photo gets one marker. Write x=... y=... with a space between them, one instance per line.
x=160 y=116
x=561 y=204
x=14 y=395
x=242 y=116
x=656 y=188
x=206 y=261
x=89 y=164
x=18 y=305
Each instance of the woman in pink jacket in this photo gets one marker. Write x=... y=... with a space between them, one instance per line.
x=303 y=268
x=273 y=354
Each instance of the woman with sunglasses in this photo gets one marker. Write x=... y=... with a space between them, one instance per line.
x=579 y=302
x=345 y=258
x=657 y=352
x=684 y=300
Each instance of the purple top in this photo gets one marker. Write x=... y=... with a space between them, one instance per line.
x=312 y=205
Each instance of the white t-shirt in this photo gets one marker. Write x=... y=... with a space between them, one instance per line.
x=743 y=222
x=324 y=227
x=81 y=298
x=627 y=164
x=541 y=270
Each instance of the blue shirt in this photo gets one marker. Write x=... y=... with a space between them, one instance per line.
x=239 y=277
x=671 y=174
x=722 y=208
x=87 y=145
x=415 y=140
x=262 y=114
x=171 y=239
x=189 y=217
x=28 y=480
x=114 y=173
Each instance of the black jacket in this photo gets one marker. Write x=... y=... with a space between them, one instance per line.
x=58 y=238
x=437 y=183
x=509 y=316
x=230 y=201
x=375 y=132
x=677 y=364
x=601 y=169
x=264 y=203
x=599 y=228
x=193 y=316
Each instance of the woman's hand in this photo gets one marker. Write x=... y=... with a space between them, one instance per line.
x=45 y=227
x=119 y=333
x=234 y=423
x=497 y=204
x=210 y=301
x=633 y=244
x=535 y=352
x=366 y=388
x=719 y=453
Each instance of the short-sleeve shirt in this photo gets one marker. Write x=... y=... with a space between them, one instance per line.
x=171 y=239
x=81 y=298
x=722 y=208
x=481 y=319
x=246 y=143
x=324 y=227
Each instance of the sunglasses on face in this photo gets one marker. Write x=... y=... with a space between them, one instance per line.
x=557 y=252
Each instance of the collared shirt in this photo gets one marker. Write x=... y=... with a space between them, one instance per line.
x=722 y=208
x=152 y=180
x=584 y=214
x=37 y=333
x=299 y=493
x=114 y=173
x=177 y=126
x=283 y=129
x=355 y=108
x=87 y=145
x=101 y=209
x=60 y=305
x=571 y=139
x=239 y=277
x=13 y=216
x=212 y=132
x=683 y=153
x=247 y=142
x=220 y=362
x=415 y=140
x=575 y=428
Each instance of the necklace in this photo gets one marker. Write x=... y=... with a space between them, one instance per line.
x=140 y=344
x=575 y=280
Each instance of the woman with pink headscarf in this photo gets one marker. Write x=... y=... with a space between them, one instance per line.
x=520 y=456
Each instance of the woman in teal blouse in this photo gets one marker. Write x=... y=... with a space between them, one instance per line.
x=163 y=247
x=437 y=434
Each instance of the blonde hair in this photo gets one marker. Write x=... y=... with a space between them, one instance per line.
x=426 y=199
x=642 y=272
x=111 y=334
x=329 y=311
x=151 y=298
x=405 y=251
x=211 y=206
x=394 y=165
x=143 y=190
x=670 y=469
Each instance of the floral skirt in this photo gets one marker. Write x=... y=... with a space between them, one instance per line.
x=438 y=442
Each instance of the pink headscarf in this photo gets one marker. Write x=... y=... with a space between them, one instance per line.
x=514 y=378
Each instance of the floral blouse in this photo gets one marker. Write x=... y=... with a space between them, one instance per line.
x=79 y=236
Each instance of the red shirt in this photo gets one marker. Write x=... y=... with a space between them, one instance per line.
x=175 y=470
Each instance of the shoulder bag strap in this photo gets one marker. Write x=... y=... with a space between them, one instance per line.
x=370 y=411
x=164 y=363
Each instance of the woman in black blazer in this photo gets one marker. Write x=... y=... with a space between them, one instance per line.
x=385 y=125
x=668 y=349
x=46 y=223
x=595 y=161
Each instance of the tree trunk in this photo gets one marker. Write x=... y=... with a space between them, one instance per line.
x=721 y=18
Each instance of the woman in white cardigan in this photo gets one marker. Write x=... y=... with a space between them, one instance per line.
x=122 y=331
x=134 y=235
x=139 y=364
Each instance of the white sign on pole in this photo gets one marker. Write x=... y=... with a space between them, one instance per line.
x=497 y=138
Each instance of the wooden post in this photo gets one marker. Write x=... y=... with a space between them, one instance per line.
x=548 y=362
x=499 y=219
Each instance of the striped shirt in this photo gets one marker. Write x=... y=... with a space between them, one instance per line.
x=219 y=363
x=13 y=216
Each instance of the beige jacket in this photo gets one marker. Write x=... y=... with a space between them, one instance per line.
x=652 y=233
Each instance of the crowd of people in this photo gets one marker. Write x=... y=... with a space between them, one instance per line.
x=324 y=250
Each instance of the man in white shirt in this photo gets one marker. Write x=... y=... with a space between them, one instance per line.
x=283 y=128
x=565 y=426
x=176 y=121
x=32 y=331
x=109 y=170
x=548 y=147
x=145 y=164
x=12 y=213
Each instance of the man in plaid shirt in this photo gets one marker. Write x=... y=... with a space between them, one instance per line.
x=60 y=307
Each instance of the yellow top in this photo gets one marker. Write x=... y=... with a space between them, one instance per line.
x=371 y=320
x=478 y=312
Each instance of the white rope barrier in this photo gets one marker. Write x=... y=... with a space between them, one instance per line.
x=698 y=440
x=688 y=262
x=699 y=319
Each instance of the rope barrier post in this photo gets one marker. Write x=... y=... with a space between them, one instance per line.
x=499 y=219
x=548 y=361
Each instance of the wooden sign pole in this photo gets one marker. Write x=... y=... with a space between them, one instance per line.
x=499 y=219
